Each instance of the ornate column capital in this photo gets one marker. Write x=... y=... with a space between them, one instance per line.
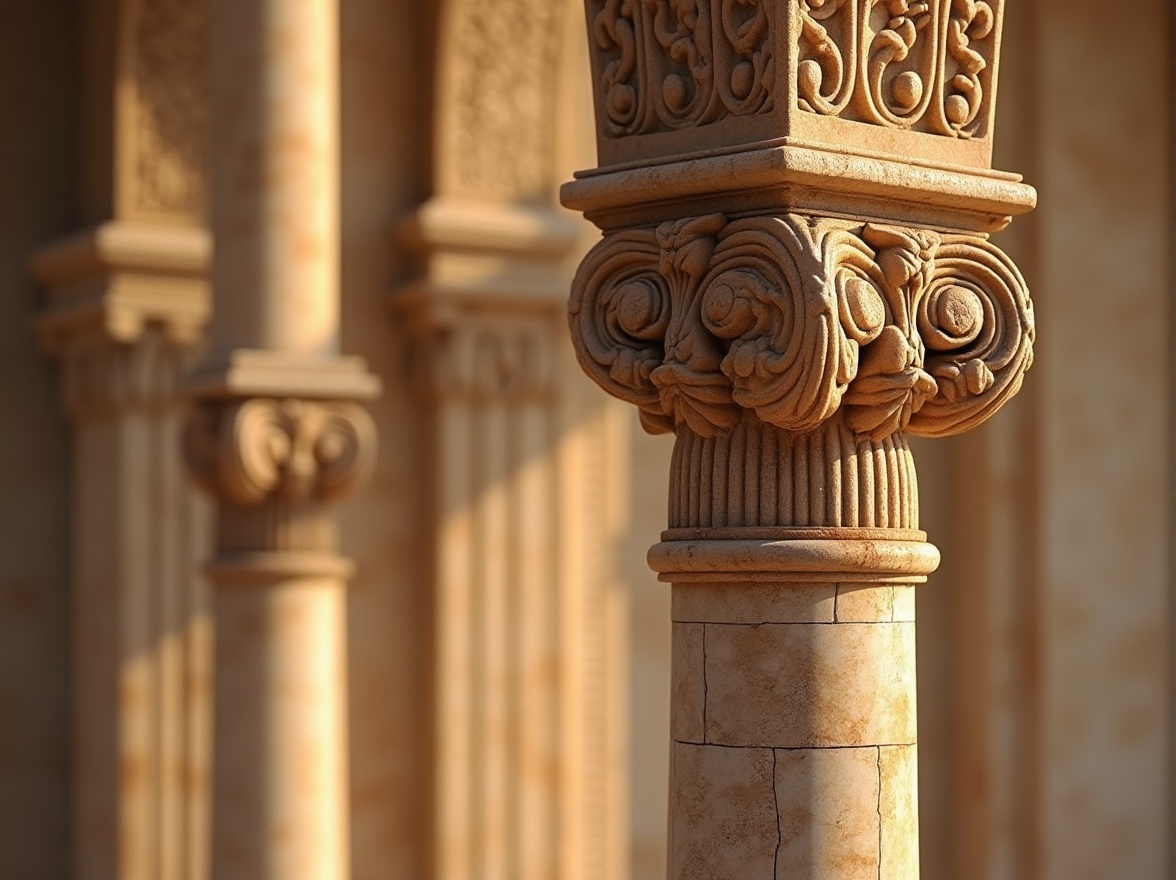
x=795 y=318
x=249 y=451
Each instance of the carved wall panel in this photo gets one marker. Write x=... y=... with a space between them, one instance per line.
x=734 y=72
x=497 y=120
x=170 y=108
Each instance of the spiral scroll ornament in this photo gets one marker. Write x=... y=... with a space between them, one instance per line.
x=795 y=319
x=976 y=322
x=253 y=450
x=788 y=357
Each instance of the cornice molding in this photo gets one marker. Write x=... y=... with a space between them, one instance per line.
x=118 y=278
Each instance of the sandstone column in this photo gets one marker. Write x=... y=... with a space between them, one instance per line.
x=795 y=276
x=277 y=436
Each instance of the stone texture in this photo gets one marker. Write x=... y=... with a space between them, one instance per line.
x=898 y=808
x=802 y=685
x=830 y=814
x=753 y=603
x=688 y=675
x=865 y=604
x=723 y=822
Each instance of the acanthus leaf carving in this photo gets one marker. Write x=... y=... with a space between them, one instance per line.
x=795 y=319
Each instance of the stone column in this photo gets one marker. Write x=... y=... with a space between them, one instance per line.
x=795 y=276
x=277 y=437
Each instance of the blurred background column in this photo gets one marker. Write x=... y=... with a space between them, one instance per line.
x=277 y=436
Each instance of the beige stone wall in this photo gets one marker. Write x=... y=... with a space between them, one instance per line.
x=1045 y=649
x=39 y=105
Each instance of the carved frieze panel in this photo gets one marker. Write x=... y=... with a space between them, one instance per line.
x=170 y=111
x=923 y=64
x=500 y=358
x=664 y=66
x=498 y=103
x=795 y=319
x=670 y=64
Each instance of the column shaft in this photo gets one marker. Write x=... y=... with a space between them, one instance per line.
x=275 y=174
x=280 y=770
x=793 y=725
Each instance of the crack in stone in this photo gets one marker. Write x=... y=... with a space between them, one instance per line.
x=704 y=682
x=779 y=832
x=879 y=751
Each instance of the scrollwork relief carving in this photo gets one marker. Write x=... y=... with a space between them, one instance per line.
x=670 y=64
x=796 y=319
x=252 y=451
x=663 y=65
x=171 y=109
x=508 y=359
x=919 y=64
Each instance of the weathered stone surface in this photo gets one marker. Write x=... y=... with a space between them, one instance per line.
x=754 y=603
x=688 y=702
x=723 y=822
x=810 y=685
x=829 y=814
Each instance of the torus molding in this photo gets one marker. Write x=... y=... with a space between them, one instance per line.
x=259 y=449
x=794 y=318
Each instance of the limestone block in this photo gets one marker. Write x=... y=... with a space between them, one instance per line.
x=829 y=814
x=898 y=806
x=723 y=823
x=754 y=603
x=904 y=604
x=864 y=604
x=689 y=683
x=810 y=685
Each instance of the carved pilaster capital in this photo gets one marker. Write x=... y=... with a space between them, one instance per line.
x=261 y=449
x=796 y=318
x=506 y=358
x=102 y=377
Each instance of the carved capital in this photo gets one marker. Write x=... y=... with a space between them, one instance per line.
x=796 y=318
x=262 y=449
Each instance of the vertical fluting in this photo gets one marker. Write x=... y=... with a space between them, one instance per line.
x=759 y=476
